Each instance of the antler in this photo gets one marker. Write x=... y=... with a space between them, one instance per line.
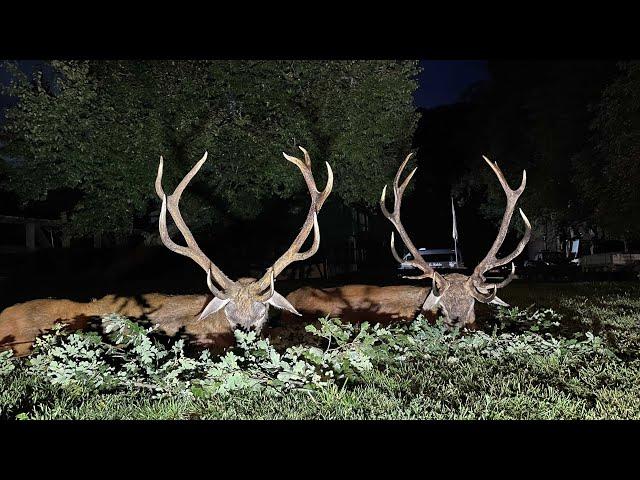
x=192 y=250
x=317 y=199
x=491 y=260
x=394 y=218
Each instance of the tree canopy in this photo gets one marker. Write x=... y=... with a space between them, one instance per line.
x=537 y=116
x=92 y=132
x=608 y=170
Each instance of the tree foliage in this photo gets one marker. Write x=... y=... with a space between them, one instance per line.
x=608 y=171
x=536 y=116
x=92 y=132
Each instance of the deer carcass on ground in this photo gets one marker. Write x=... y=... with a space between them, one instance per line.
x=358 y=303
x=453 y=294
x=207 y=320
x=20 y=324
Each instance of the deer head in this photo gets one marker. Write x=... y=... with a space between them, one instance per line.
x=455 y=294
x=247 y=300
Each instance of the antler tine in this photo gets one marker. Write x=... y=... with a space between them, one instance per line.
x=318 y=198
x=399 y=190
x=171 y=203
x=488 y=296
x=308 y=176
x=307 y=159
x=509 y=279
x=503 y=181
x=394 y=252
x=394 y=218
x=399 y=260
x=269 y=293
x=491 y=260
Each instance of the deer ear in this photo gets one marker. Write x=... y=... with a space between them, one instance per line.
x=213 y=306
x=282 y=303
x=431 y=303
x=439 y=284
x=497 y=301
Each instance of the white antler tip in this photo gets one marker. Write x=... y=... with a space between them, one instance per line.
x=329 y=171
x=383 y=196
x=524 y=217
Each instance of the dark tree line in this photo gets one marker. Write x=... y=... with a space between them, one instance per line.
x=85 y=138
x=573 y=125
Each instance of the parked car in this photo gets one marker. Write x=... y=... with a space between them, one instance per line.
x=441 y=259
x=498 y=274
x=610 y=265
x=549 y=265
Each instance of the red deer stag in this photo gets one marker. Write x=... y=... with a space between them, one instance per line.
x=208 y=321
x=455 y=294
x=245 y=302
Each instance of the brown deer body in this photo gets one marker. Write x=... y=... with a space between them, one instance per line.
x=175 y=315
x=358 y=303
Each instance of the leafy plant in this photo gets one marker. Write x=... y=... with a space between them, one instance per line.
x=7 y=364
x=129 y=358
x=418 y=370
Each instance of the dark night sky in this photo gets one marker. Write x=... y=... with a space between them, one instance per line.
x=442 y=81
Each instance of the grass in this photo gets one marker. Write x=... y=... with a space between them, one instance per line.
x=452 y=384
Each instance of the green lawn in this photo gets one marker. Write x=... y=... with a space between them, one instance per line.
x=518 y=366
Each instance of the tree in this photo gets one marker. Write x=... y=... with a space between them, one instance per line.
x=91 y=132
x=536 y=117
x=608 y=171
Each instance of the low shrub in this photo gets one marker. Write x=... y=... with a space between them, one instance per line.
x=128 y=357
